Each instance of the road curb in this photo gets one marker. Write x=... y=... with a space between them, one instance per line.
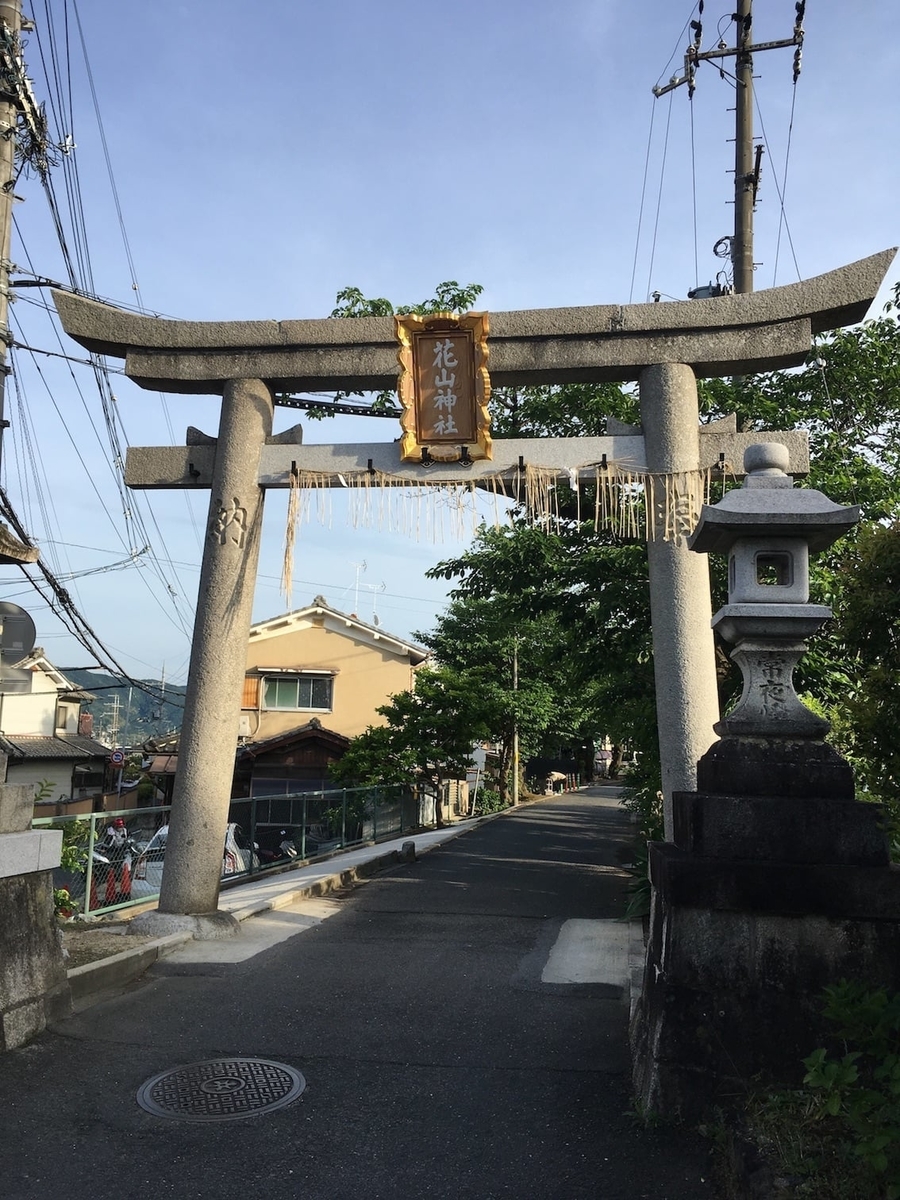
x=117 y=970
x=322 y=887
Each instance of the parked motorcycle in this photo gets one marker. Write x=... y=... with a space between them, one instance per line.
x=283 y=852
x=111 y=873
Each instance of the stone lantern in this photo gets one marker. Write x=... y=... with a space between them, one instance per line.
x=768 y=528
x=777 y=879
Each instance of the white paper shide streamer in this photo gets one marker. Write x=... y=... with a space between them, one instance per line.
x=632 y=503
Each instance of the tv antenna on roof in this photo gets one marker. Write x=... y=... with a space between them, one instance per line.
x=375 y=588
x=360 y=567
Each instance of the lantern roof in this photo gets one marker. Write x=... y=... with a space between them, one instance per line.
x=767 y=505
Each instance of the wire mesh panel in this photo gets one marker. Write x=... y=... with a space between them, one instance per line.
x=100 y=859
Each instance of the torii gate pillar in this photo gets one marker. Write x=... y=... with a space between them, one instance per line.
x=191 y=879
x=683 y=653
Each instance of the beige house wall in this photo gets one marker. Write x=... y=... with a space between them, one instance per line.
x=57 y=775
x=32 y=712
x=364 y=676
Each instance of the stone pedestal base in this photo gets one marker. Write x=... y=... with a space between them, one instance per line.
x=761 y=901
x=205 y=927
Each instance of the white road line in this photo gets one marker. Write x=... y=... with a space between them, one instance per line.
x=590 y=952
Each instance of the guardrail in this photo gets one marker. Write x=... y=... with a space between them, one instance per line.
x=106 y=867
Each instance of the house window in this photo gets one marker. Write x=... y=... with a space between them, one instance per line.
x=299 y=692
x=66 y=718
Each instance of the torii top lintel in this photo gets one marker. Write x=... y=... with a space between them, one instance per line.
x=727 y=335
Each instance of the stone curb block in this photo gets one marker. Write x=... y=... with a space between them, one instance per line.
x=121 y=968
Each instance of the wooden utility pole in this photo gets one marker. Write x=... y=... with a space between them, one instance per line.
x=747 y=158
x=15 y=98
x=746 y=179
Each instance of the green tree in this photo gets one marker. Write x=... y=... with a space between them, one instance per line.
x=868 y=584
x=505 y=662
x=427 y=737
x=582 y=597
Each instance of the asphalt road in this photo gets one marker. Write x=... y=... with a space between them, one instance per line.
x=437 y=1062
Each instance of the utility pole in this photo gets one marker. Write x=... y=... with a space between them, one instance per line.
x=114 y=722
x=10 y=58
x=515 y=737
x=17 y=104
x=746 y=179
x=125 y=732
x=747 y=158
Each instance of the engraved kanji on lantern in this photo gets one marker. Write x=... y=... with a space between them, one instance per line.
x=444 y=387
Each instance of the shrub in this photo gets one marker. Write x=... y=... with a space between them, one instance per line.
x=839 y=1134
x=644 y=801
x=487 y=801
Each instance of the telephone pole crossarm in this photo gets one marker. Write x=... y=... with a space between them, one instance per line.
x=746 y=169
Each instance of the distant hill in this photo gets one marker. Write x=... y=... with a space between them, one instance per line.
x=140 y=716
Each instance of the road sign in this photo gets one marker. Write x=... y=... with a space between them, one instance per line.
x=117 y=758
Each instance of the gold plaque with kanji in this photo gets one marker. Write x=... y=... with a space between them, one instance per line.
x=444 y=387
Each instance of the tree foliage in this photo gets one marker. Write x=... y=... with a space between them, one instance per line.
x=580 y=602
x=504 y=662
x=427 y=736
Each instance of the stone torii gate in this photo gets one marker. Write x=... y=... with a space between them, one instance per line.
x=664 y=347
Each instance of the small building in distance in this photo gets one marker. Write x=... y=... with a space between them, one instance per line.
x=315 y=677
x=47 y=738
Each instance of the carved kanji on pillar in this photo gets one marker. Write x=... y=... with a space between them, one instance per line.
x=230 y=524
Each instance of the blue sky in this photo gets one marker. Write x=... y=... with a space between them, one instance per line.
x=266 y=156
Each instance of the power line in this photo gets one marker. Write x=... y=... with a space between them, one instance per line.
x=62 y=604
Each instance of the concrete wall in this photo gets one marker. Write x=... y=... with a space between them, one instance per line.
x=33 y=984
x=31 y=712
x=58 y=773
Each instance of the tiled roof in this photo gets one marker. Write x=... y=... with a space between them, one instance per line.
x=77 y=746
x=313 y=729
x=163 y=764
x=320 y=606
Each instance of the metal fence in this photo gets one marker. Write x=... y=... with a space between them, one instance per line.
x=106 y=866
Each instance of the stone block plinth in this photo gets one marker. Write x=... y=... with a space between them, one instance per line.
x=764 y=898
x=16 y=807
x=34 y=989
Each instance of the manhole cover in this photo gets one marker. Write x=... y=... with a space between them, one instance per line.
x=223 y=1089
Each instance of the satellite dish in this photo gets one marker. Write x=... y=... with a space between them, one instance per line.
x=17 y=633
